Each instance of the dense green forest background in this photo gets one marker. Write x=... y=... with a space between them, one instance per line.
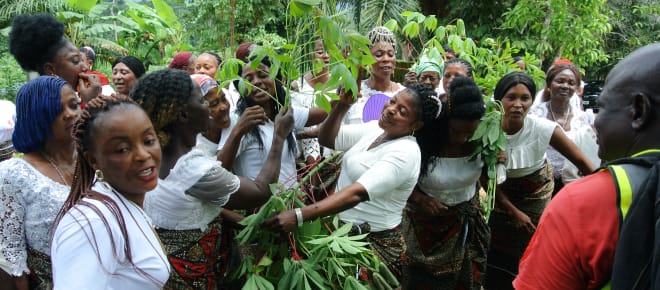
x=594 y=34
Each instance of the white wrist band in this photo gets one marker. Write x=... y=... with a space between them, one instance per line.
x=299 y=216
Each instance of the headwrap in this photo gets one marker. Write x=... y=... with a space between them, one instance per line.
x=244 y=50
x=206 y=83
x=428 y=64
x=561 y=61
x=134 y=64
x=180 y=60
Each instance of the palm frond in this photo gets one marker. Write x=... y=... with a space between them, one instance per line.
x=378 y=12
x=11 y=8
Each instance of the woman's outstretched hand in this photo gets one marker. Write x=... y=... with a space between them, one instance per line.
x=282 y=222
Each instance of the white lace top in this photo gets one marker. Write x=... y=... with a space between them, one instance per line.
x=29 y=202
x=452 y=180
x=354 y=114
x=193 y=194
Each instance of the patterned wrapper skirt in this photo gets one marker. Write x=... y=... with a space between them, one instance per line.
x=41 y=274
x=388 y=246
x=530 y=194
x=199 y=259
x=446 y=251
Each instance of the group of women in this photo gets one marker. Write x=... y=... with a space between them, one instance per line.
x=132 y=191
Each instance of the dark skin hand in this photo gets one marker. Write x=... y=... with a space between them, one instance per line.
x=251 y=118
x=8 y=282
x=426 y=205
x=344 y=199
x=89 y=86
x=410 y=78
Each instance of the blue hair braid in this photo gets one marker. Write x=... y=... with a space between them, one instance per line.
x=38 y=103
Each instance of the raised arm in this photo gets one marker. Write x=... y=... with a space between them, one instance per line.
x=566 y=147
x=251 y=194
x=316 y=116
x=251 y=118
x=330 y=128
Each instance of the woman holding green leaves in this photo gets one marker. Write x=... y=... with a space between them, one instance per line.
x=379 y=170
x=245 y=153
x=446 y=234
x=520 y=200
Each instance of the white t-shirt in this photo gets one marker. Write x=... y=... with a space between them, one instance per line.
x=354 y=114
x=7 y=120
x=452 y=180
x=388 y=172
x=250 y=158
x=84 y=256
x=526 y=148
x=193 y=194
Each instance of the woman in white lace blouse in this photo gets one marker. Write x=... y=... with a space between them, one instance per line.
x=33 y=188
x=383 y=49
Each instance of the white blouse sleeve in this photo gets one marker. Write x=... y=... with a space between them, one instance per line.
x=12 y=228
x=82 y=255
x=216 y=186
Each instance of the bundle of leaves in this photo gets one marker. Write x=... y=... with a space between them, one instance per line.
x=491 y=140
x=320 y=254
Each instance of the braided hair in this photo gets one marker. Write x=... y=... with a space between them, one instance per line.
x=428 y=108
x=87 y=126
x=280 y=97
x=382 y=34
x=464 y=103
x=38 y=103
x=34 y=40
x=163 y=95
x=460 y=62
x=216 y=56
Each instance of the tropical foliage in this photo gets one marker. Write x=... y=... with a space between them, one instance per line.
x=116 y=29
x=560 y=29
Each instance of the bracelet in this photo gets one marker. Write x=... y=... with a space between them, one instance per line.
x=299 y=216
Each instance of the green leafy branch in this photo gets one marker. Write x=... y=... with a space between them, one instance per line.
x=491 y=140
x=490 y=58
x=318 y=255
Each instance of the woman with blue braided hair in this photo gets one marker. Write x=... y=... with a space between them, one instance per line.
x=34 y=187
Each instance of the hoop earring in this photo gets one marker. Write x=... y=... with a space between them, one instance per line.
x=99 y=175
